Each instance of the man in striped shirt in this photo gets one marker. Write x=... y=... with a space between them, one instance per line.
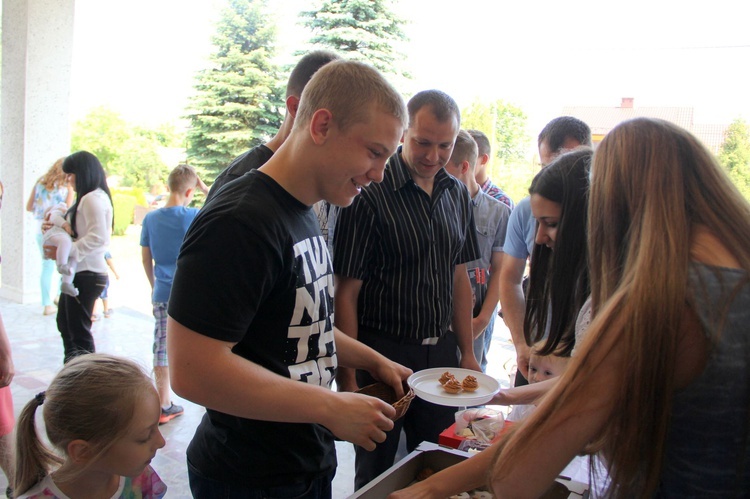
x=400 y=258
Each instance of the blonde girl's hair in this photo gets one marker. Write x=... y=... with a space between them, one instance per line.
x=652 y=183
x=92 y=398
x=55 y=177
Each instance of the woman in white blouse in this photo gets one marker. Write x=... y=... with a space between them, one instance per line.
x=90 y=224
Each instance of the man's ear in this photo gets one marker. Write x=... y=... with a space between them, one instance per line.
x=292 y=104
x=320 y=125
x=482 y=160
x=79 y=451
x=464 y=167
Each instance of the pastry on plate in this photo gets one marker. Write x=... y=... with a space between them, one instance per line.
x=470 y=384
x=452 y=386
x=446 y=377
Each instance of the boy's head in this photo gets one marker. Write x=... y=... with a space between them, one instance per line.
x=562 y=134
x=351 y=91
x=483 y=153
x=544 y=367
x=350 y=121
x=463 y=159
x=306 y=67
x=182 y=181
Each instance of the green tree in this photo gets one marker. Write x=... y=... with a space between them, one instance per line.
x=735 y=155
x=505 y=125
x=240 y=100
x=364 y=30
x=125 y=150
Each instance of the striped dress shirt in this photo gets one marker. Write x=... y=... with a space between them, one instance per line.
x=404 y=245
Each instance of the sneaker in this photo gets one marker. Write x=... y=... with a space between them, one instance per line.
x=107 y=313
x=168 y=415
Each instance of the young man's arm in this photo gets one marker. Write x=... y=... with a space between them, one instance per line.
x=148 y=264
x=481 y=321
x=345 y=306
x=207 y=372
x=514 y=306
x=461 y=323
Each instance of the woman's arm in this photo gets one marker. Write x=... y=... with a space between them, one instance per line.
x=95 y=212
x=30 y=202
x=526 y=394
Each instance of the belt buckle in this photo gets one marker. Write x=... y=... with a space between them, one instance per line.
x=430 y=341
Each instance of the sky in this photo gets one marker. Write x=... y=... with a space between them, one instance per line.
x=140 y=57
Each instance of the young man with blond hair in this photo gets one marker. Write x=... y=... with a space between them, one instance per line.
x=250 y=325
x=162 y=232
x=491 y=219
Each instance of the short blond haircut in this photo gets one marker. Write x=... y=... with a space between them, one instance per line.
x=465 y=149
x=182 y=178
x=348 y=89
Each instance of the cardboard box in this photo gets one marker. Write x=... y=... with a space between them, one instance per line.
x=429 y=455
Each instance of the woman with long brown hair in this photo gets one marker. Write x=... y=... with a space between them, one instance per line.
x=660 y=383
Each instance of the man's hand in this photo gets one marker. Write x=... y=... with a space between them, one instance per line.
x=360 y=419
x=470 y=362
x=392 y=374
x=523 y=353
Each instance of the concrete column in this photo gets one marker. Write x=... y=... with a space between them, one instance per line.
x=37 y=54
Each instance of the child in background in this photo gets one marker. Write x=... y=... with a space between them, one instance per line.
x=58 y=236
x=101 y=413
x=105 y=292
x=161 y=237
x=541 y=368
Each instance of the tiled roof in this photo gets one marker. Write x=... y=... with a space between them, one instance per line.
x=712 y=136
x=603 y=119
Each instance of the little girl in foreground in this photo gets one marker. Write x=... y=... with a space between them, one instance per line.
x=102 y=415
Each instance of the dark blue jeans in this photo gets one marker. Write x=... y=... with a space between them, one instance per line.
x=207 y=488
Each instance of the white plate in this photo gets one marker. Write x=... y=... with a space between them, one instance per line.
x=426 y=385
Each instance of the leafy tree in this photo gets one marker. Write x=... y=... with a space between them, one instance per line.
x=506 y=126
x=735 y=155
x=125 y=150
x=240 y=100
x=364 y=30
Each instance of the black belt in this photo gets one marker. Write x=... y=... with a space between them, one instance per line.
x=433 y=340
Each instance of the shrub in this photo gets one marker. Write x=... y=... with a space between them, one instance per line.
x=124 y=207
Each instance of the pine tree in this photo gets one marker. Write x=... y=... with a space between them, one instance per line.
x=240 y=100
x=363 y=30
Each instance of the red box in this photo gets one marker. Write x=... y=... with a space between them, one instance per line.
x=449 y=438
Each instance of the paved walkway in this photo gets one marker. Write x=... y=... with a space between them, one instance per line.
x=37 y=354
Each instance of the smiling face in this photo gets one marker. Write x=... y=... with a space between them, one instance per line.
x=131 y=453
x=358 y=155
x=548 y=214
x=428 y=144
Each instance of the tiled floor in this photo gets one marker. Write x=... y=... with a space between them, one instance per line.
x=37 y=355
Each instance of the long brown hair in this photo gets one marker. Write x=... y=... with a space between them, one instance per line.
x=92 y=398
x=652 y=184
